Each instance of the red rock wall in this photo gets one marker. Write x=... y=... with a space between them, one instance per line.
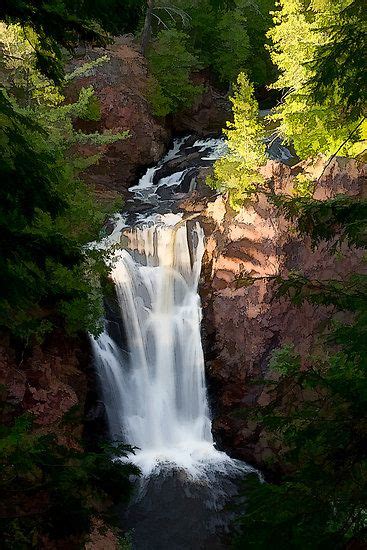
x=120 y=84
x=47 y=382
x=243 y=324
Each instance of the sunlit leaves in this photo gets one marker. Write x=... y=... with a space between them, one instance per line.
x=237 y=172
x=317 y=121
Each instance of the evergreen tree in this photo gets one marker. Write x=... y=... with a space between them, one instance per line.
x=46 y=213
x=65 y=22
x=172 y=65
x=238 y=171
x=48 y=277
x=233 y=50
x=50 y=492
x=316 y=413
x=340 y=63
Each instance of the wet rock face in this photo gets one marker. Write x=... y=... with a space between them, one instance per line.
x=243 y=323
x=120 y=85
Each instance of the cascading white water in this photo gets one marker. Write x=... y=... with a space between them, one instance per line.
x=155 y=393
x=153 y=383
x=164 y=402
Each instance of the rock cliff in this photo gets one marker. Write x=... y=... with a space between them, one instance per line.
x=243 y=323
x=120 y=84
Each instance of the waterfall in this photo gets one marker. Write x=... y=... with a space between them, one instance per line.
x=155 y=391
x=153 y=379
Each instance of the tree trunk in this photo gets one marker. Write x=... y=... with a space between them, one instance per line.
x=147 y=30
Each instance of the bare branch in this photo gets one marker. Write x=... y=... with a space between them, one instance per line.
x=160 y=21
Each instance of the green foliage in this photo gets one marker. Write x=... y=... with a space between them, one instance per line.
x=229 y=37
x=238 y=172
x=125 y=542
x=321 y=501
x=219 y=35
x=234 y=49
x=258 y=22
x=48 y=276
x=225 y=36
x=46 y=213
x=303 y=186
x=340 y=63
x=45 y=217
x=313 y=46
x=316 y=414
x=171 y=65
x=65 y=22
x=51 y=490
x=341 y=215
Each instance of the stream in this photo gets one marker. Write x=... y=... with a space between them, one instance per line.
x=150 y=363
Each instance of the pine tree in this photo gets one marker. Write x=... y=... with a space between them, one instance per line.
x=46 y=213
x=172 y=64
x=238 y=171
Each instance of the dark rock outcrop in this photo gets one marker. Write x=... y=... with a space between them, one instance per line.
x=209 y=113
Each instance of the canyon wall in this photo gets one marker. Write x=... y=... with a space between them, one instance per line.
x=121 y=85
x=244 y=323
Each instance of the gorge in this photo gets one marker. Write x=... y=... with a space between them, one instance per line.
x=151 y=368
x=183 y=275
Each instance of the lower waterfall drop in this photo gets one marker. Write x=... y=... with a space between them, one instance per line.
x=155 y=390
